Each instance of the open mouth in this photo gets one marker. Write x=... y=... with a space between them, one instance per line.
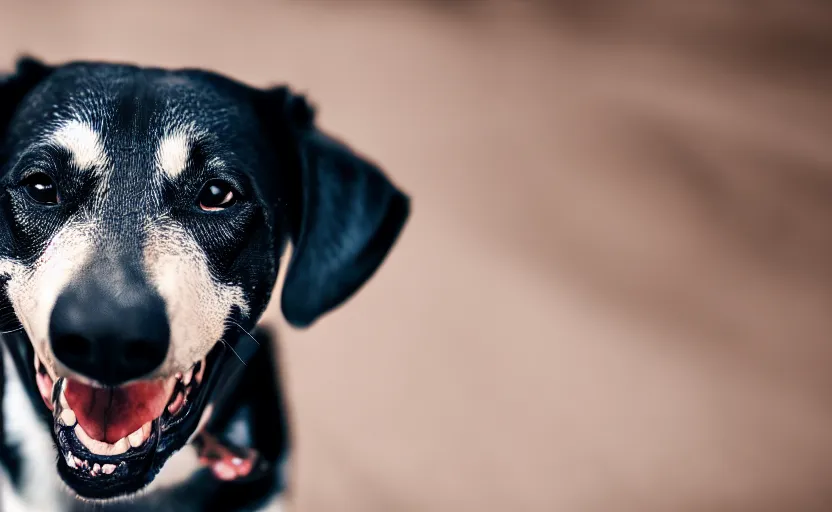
x=113 y=440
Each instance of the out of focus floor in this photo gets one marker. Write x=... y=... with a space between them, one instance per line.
x=615 y=290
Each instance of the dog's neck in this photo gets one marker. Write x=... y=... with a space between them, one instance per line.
x=29 y=477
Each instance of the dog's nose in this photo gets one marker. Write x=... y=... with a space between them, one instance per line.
x=110 y=337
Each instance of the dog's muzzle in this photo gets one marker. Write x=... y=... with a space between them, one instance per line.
x=116 y=416
x=109 y=331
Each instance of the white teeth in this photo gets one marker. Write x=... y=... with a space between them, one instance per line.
x=68 y=418
x=62 y=396
x=75 y=463
x=101 y=448
x=141 y=434
x=186 y=378
x=120 y=447
x=136 y=438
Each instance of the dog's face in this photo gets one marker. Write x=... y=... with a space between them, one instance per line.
x=143 y=215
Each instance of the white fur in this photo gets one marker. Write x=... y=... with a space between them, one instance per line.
x=197 y=304
x=174 y=149
x=41 y=487
x=33 y=291
x=83 y=143
x=172 y=153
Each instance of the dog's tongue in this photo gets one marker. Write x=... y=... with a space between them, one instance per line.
x=109 y=414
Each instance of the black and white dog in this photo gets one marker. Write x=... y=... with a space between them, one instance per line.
x=143 y=214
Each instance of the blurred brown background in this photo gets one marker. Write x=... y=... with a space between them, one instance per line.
x=614 y=293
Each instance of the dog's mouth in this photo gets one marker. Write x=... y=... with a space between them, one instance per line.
x=113 y=440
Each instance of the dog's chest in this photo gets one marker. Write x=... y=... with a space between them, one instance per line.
x=39 y=485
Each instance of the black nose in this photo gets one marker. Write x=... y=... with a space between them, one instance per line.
x=110 y=336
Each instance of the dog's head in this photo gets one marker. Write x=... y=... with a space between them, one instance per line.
x=143 y=214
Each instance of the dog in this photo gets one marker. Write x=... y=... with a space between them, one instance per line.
x=143 y=216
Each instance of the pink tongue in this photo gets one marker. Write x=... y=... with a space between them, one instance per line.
x=109 y=414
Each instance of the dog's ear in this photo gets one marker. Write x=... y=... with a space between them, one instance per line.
x=347 y=218
x=15 y=86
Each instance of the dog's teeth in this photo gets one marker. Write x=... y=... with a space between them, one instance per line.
x=70 y=460
x=136 y=438
x=101 y=448
x=141 y=435
x=57 y=386
x=186 y=378
x=108 y=469
x=96 y=467
x=62 y=396
x=68 y=418
x=120 y=447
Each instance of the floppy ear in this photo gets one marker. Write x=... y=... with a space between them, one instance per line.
x=348 y=219
x=14 y=87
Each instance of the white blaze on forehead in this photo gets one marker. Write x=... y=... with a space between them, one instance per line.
x=173 y=152
x=197 y=305
x=34 y=290
x=83 y=143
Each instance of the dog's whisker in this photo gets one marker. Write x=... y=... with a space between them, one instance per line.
x=13 y=330
x=235 y=352
x=245 y=331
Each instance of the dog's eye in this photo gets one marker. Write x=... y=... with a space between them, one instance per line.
x=217 y=195
x=41 y=189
